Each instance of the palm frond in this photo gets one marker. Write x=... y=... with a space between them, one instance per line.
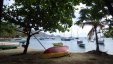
x=86 y=23
x=91 y=33
x=101 y=25
x=89 y=23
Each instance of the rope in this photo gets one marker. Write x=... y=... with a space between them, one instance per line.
x=40 y=43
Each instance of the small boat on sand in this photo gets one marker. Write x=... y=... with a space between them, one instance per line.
x=58 y=51
x=9 y=45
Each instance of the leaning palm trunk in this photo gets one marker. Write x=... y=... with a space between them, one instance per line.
x=97 y=44
x=93 y=31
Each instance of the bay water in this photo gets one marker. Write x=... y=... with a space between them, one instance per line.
x=73 y=46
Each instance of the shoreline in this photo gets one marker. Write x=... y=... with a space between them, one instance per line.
x=13 y=56
x=20 y=50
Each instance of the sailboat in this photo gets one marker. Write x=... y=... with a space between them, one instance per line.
x=77 y=35
x=65 y=38
x=101 y=40
x=68 y=38
x=80 y=42
x=71 y=38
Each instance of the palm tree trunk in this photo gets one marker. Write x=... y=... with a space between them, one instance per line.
x=96 y=36
x=27 y=43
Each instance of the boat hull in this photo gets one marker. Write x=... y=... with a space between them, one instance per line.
x=82 y=45
x=65 y=39
x=8 y=47
x=55 y=52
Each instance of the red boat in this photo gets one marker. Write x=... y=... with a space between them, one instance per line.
x=56 y=52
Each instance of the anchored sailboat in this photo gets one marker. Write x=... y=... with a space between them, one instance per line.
x=80 y=42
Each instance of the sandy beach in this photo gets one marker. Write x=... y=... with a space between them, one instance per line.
x=14 y=56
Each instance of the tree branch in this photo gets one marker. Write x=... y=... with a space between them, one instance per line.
x=35 y=33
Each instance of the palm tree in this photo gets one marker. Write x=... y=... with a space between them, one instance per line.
x=92 y=16
x=93 y=31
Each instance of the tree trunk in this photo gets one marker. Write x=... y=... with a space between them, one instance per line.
x=109 y=6
x=27 y=42
x=96 y=36
x=1 y=5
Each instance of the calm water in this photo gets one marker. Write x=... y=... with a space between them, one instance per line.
x=73 y=47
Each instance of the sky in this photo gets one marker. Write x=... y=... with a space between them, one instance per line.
x=75 y=30
x=8 y=2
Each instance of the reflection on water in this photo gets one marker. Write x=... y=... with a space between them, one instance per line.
x=73 y=46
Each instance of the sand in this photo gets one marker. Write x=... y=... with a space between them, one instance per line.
x=14 y=56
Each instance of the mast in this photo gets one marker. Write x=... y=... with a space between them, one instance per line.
x=71 y=30
x=77 y=33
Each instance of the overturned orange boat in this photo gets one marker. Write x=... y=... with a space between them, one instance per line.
x=58 y=51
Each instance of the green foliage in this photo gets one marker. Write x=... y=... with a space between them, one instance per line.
x=51 y=15
x=8 y=30
x=92 y=14
x=108 y=33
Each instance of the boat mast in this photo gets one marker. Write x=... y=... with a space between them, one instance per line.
x=71 y=30
x=77 y=34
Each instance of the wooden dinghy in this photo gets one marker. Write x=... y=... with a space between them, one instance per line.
x=58 y=51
